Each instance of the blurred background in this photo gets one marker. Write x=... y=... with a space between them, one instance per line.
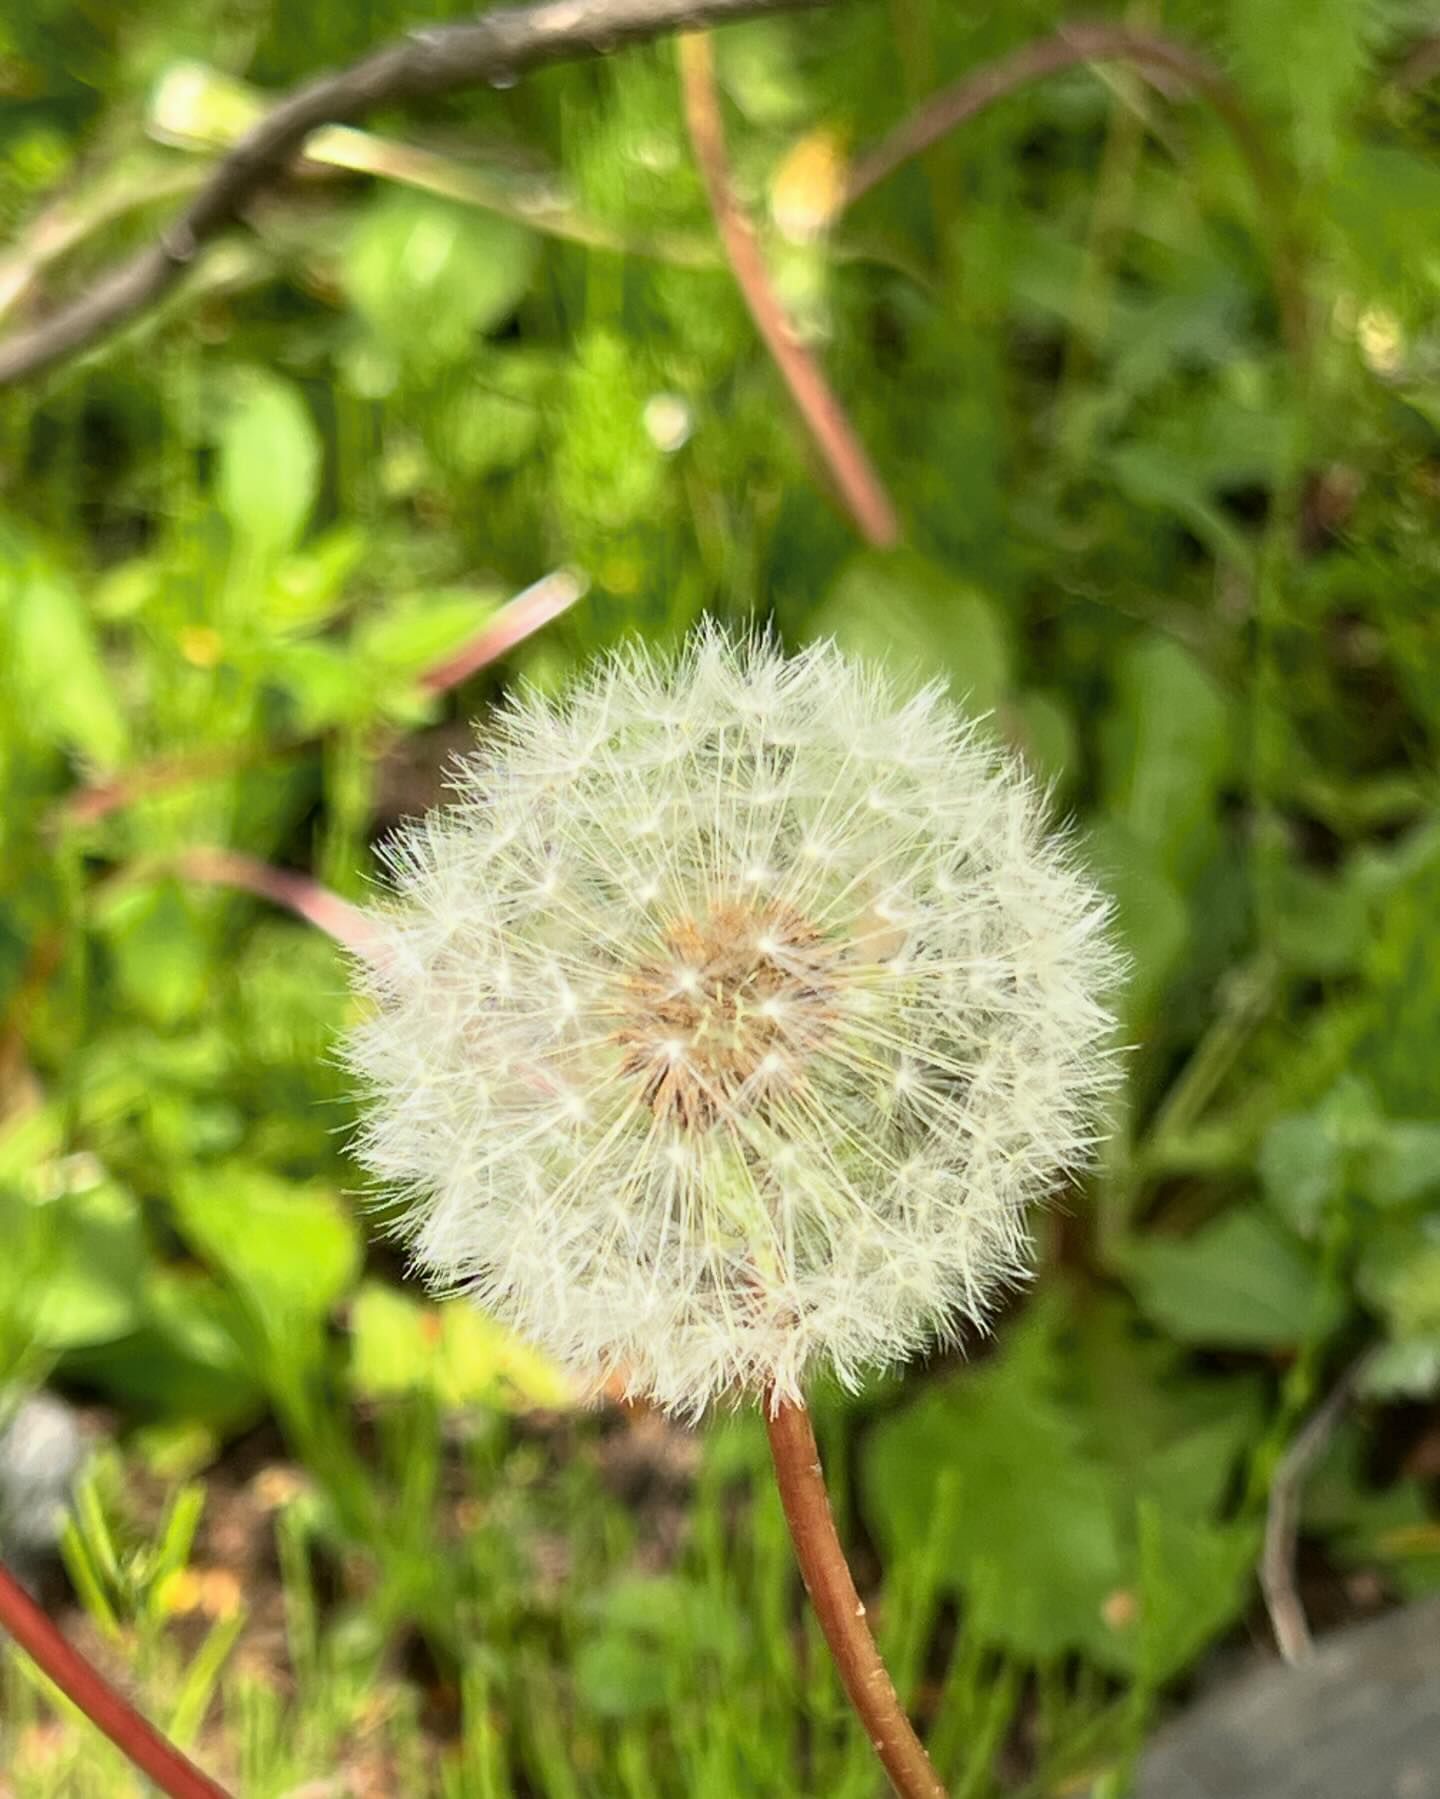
x=1164 y=446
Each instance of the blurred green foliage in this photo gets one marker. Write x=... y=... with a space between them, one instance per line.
x=1188 y=568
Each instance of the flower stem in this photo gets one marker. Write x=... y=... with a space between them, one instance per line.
x=837 y=1605
x=150 y=1752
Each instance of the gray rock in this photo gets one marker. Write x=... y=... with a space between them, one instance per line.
x=41 y=1448
x=1359 y=1720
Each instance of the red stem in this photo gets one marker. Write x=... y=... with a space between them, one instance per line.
x=150 y=1752
x=296 y=892
x=854 y=474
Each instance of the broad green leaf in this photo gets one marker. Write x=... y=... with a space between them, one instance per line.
x=269 y=465
x=91 y=1270
x=1400 y=1273
x=308 y=587
x=429 y=275
x=1034 y=1514
x=1150 y=913
x=1156 y=476
x=619 y=1675
x=184 y=1360
x=477 y=1354
x=1409 y=1369
x=1241 y=1282
x=479 y=432
x=1194 y=1578
x=903 y=611
x=161 y=959
x=50 y=661
x=1307 y=60
x=1404 y=1163
x=454 y=1351
x=1167 y=752
x=1318 y=923
x=646 y=1622
x=291 y=1248
x=1302 y=1169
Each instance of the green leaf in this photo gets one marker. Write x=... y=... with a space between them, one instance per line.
x=1306 y=59
x=1405 y=1370
x=50 y=661
x=1169 y=481
x=1166 y=748
x=291 y=1248
x=161 y=959
x=1041 y=725
x=645 y=1623
x=1242 y=1282
x=454 y=1351
x=414 y=631
x=184 y=1360
x=1301 y=1169
x=622 y=1676
x=308 y=587
x=429 y=275
x=1404 y=1164
x=1318 y=923
x=1151 y=918
x=899 y=609
x=1034 y=1515
x=269 y=465
x=92 y=1276
x=1400 y=1273
x=1194 y=1578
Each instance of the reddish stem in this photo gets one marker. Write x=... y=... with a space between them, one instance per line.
x=150 y=1752
x=518 y=619
x=298 y=893
x=1155 y=57
x=837 y=1605
x=860 y=486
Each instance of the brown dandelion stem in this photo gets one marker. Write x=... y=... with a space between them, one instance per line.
x=854 y=475
x=838 y=1606
x=150 y=1752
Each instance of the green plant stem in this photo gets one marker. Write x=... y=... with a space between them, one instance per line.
x=838 y=1606
x=150 y=1752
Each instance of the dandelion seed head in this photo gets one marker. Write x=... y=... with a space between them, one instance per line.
x=733 y=1017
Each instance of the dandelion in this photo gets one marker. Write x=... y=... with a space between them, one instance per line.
x=729 y=1023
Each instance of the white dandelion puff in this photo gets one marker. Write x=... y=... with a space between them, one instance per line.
x=732 y=1019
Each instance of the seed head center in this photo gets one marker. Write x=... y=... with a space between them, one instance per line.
x=728 y=1013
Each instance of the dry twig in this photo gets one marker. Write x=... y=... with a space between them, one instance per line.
x=422 y=65
x=1282 y=1521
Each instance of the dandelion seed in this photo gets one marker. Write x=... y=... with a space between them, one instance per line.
x=781 y=1100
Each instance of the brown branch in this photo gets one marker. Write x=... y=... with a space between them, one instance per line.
x=1155 y=57
x=837 y=1605
x=422 y=65
x=1282 y=1521
x=147 y=1750
x=844 y=455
